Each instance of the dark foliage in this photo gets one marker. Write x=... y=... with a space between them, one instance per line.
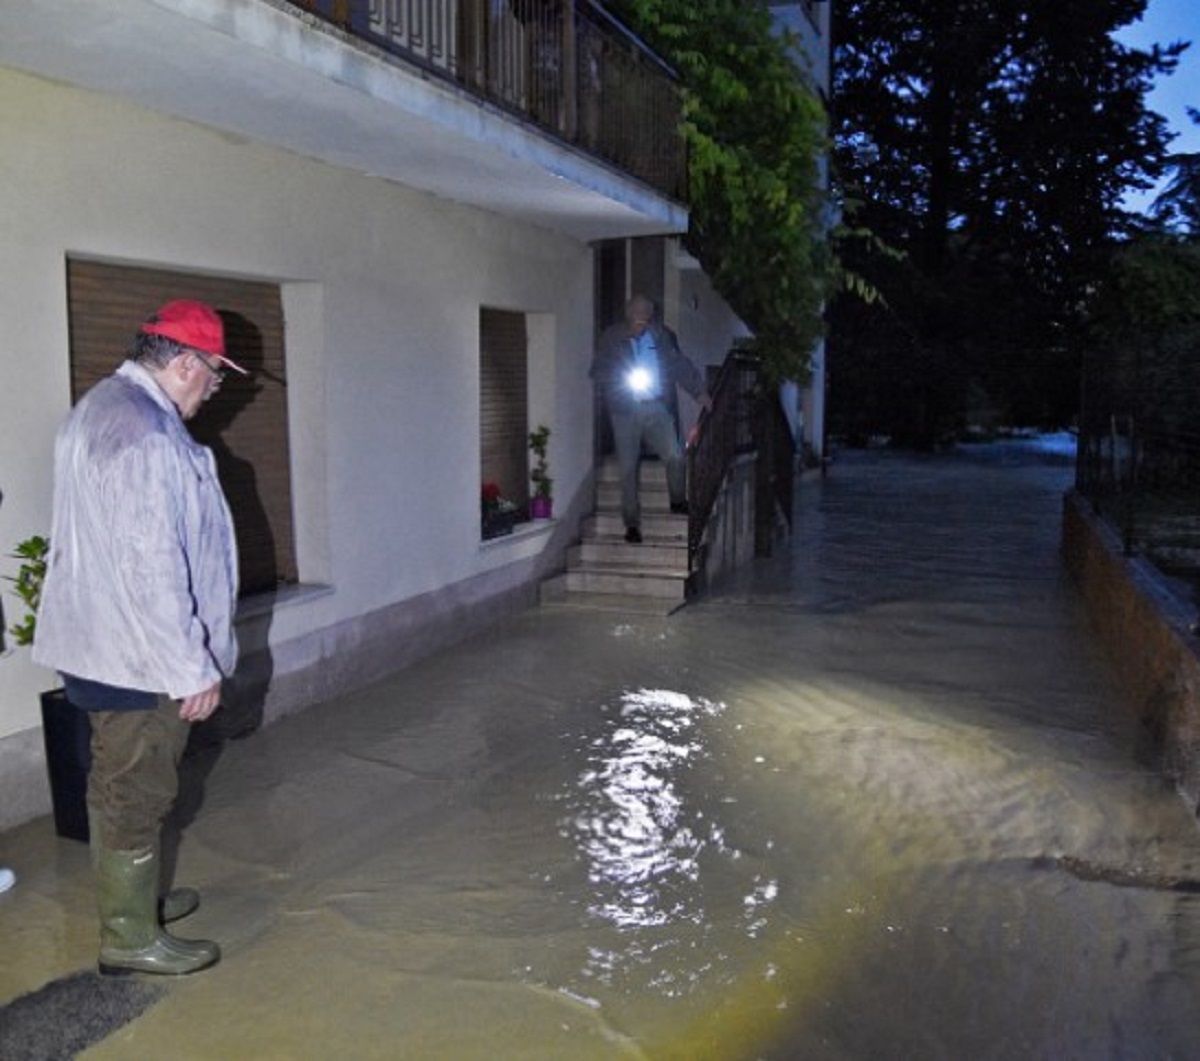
x=992 y=142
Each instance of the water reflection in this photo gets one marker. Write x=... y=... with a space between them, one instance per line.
x=638 y=836
x=646 y=834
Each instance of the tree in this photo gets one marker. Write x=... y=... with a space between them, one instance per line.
x=1178 y=207
x=1141 y=370
x=992 y=141
x=756 y=135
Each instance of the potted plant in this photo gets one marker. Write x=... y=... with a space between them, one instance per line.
x=541 y=503
x=66 y=730
x=28 y=582
x=498 y=515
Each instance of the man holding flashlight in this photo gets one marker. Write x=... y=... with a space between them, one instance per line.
x=638 y=365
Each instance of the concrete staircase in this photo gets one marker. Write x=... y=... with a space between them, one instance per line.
x=605 y=571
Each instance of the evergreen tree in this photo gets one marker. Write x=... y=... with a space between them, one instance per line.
x=1178 y=207
x=992 y=141
x=1144 y=336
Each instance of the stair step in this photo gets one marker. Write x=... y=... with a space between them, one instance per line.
x=658 y=526
x=613 y=550
x=651 y=473
x=635 y=569
x=620 y=603
x=653 y=498
x=626 y=581
x=606 y=572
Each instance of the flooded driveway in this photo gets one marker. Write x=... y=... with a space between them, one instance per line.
x=876 y=797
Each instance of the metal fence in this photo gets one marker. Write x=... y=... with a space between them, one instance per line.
x=568 y=66
x=1139 y=450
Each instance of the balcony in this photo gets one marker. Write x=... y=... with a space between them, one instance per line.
x=546 y=111
x=566 y=65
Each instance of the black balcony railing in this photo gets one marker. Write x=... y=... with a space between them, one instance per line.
x=566 y=65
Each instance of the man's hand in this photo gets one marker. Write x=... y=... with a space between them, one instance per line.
x=198 y=706
x=705 y=403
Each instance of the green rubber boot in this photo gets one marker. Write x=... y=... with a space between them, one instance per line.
x=177 y=904
x=131 y=939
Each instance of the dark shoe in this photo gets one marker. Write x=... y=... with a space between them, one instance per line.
x=680 y=508
x=633 y=535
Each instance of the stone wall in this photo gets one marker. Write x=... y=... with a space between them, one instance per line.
x=1146 y=628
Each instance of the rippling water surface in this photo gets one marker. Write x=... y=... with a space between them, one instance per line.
x=876 y=797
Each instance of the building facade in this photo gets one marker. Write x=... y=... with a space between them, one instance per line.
x=397 y=221
x=402 y=209
x=810 y=24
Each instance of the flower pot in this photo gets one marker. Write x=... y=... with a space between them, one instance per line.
x=497 y=523
x=540 y=507
x=67 y=734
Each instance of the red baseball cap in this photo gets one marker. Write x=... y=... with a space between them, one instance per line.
x=194 y=324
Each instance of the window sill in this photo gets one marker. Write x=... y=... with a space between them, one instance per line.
x=270 y=601
x=532 y=528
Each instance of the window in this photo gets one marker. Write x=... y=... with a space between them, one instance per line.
x=504 y=403
x=245 y=424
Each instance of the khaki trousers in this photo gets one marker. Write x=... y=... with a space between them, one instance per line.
x=134 y=777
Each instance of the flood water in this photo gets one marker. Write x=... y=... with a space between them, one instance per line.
x=875 y=797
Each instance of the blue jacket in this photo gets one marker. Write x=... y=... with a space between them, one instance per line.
x=614 y=358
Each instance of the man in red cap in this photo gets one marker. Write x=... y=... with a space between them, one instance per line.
x=137 y=613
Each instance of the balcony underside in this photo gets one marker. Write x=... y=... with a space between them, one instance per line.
x=271 y=74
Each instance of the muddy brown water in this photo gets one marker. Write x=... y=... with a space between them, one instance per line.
x=875 y=797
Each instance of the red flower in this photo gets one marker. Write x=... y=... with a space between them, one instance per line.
x=491 y=494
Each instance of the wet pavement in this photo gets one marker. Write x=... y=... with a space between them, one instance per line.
x=876 y=797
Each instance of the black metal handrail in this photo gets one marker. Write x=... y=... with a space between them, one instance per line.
x=711 y=451
x=568 y=66
x=777 y=464
x=743 y=419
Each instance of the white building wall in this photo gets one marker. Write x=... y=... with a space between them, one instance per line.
x=382 y=289
x=811 y=23
x=706 y=325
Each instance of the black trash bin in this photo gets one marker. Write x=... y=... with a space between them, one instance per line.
x=67 y=732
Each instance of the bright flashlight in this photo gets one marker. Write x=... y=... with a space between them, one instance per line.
x=640 y=380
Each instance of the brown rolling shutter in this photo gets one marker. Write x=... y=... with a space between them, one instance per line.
x=504 y=403
x=245 y=423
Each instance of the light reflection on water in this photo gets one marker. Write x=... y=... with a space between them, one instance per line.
x=645 y=835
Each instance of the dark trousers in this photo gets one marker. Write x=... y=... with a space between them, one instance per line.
x=650 y=422
x=134 y=777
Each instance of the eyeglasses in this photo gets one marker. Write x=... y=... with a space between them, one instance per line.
x=218 y=372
